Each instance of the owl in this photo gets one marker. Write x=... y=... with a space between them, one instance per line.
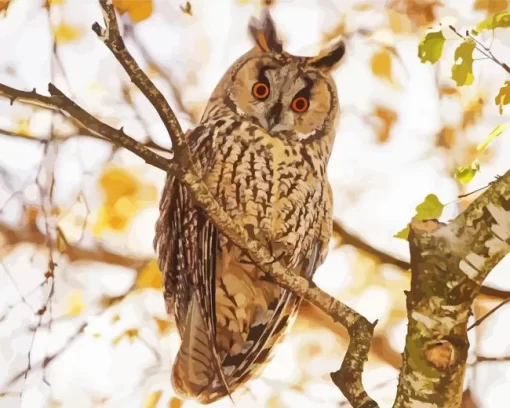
x=262 y=148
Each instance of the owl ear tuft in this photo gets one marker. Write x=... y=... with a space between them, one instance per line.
x=329 y=58
x=264 y=33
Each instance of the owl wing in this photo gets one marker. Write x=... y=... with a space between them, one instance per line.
x=169 y=241
x=187 y=244
x=266 y=334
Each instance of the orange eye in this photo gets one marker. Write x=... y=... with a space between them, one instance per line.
x=260 y=90
x=300 y=104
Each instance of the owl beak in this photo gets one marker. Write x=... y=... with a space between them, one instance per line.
x=273 y=118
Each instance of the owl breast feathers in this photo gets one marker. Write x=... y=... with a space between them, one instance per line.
x=262 y=146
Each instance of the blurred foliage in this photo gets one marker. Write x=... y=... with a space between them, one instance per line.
x=431 y=49
x=138 y=10
x=125 y=194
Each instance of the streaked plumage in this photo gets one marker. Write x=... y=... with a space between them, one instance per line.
x=264 y=158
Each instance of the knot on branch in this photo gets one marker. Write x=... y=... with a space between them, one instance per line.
x=441 y=355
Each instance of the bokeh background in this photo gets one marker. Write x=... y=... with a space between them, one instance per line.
x=82 y=319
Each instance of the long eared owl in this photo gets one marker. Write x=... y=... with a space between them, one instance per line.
x=262 y=147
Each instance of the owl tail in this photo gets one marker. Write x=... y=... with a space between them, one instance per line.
x=197 y=365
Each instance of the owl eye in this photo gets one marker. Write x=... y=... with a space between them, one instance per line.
x=300 y=104
x=260 y=90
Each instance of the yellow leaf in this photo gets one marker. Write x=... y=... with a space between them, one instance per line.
x=431 y=47
x=4 y=4
x=152 y=399
x=124 y=195
x=62 y=243
x=498 y=130
x=462 y=69
x=138 y=10
x=75 y=304
x=448 y=91
x=492 y=6
x=446 y=137
x=65 y=33
x=398 y=22
x=387 y=118
x=498 y=20
x=381 y=64
x=164 y=325
x=466 y=173
x=150 y=277
x=130 y=334
x=50 y=3
x=503 y=97
x=175 y=403
x=472 y=111
x=23 y=127
x=363 y=7
x=420 y=13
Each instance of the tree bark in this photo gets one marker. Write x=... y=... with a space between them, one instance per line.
x=449 y=262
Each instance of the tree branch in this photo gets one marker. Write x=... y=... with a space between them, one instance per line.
x=58 y=101
x=62 y=138
x=111 y=37
x=449 y=262
x=486 y=51
x=349 y=238
x=30 y=233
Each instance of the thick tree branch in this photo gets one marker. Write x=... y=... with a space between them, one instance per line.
x=449 y=262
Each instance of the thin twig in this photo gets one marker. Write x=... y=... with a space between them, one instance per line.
x=48 y=359
x=59 y=101
x=485 y=316
x=482 y=49
x=80 y=131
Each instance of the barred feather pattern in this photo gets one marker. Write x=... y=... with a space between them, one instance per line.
x=228 y=315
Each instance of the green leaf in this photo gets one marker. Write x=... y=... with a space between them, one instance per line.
x=492 y=135
x=503 y=97
x=466 y=173
x=462 y=69
x=403 y=234
x=431 y=47
x=498 y=20
x=430 y=208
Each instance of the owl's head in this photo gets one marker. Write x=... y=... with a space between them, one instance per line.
x=292 y=97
